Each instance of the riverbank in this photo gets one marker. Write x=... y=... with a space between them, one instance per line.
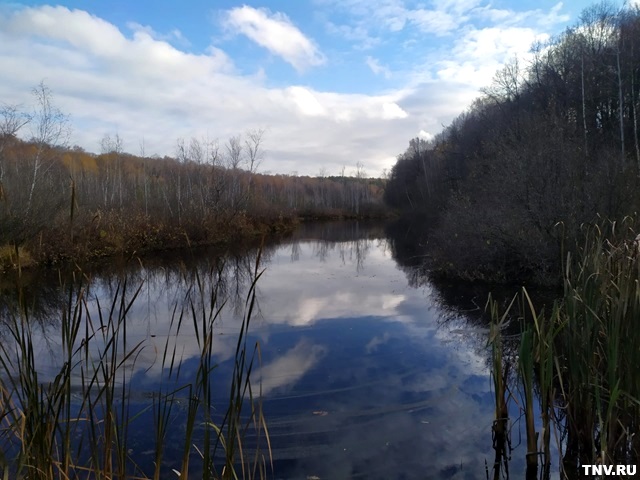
x=114 y=235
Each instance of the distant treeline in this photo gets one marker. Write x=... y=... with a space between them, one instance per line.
x=552 y=143
x=58 y=202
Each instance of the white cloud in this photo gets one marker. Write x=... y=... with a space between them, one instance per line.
x=440 y=20
x=554 y=16
x=306 y=101
x=144 y=84
x=305 y=290
x=376 y=68
x=481 y=52
x=76 y=27
x=143 y=87
x=537 y=18
x=276 y=33
x=174 y=35
x=426 y=135
x=396 y=16
x=392 y=110
x=436 y=22
x=392 y=14
x=376 y=342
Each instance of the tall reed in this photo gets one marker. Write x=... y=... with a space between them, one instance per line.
x=601 y=340
x=500 y=369
x=576 y=360
x=77 y=423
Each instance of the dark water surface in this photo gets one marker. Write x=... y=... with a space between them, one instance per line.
x=366 y=371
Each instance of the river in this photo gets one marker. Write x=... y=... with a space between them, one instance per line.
x=366 y=369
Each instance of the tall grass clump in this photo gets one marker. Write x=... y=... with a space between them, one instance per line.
x=500 y=376
x=600 y=345
x=578 y=363
x=77 y=422
x=532 y=361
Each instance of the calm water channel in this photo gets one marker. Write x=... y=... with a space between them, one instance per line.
x=367 y=370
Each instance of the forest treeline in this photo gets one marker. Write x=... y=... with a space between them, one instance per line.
x=59 y=202
x=549 y=146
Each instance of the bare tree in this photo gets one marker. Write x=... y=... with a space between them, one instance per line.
x=234 y=159
x=253 y=147
x=234 y=152
x=506 y=83
x=196 y=151
x=214 y=185
x=212 y=152
x=181 y=150
x=50 y=129
x=143 y=155
x=11 y=121
x=255 y=154
x=114 y=147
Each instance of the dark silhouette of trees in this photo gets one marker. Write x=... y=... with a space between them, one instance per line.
x=550 y=144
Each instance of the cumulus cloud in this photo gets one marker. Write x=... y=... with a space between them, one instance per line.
x=306 y=101
x=276 y=33
x=144 y=87
x=392 y=110
x=480 y=53
x=145 y=84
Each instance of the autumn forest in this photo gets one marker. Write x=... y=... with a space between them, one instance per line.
x=59 y=202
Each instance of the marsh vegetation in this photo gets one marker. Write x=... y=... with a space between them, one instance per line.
x=70 y=363
x=573 y=365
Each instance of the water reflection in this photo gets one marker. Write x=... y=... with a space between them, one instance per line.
x=366 y=372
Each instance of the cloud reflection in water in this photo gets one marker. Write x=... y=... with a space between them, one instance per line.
x=359 y=377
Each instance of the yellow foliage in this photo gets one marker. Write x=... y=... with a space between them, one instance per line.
x=88 y=163
x=79 y=162
x=67 y=161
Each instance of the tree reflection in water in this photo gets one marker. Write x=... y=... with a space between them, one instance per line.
x=341 y=334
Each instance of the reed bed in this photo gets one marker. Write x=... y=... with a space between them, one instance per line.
x=577 y=364
x=77 y=422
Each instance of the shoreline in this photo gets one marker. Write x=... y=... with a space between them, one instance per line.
x=92 y=244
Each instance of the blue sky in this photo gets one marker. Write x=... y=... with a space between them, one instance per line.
x=332 y=82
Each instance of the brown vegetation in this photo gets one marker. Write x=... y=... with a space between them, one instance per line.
x=59 y=203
